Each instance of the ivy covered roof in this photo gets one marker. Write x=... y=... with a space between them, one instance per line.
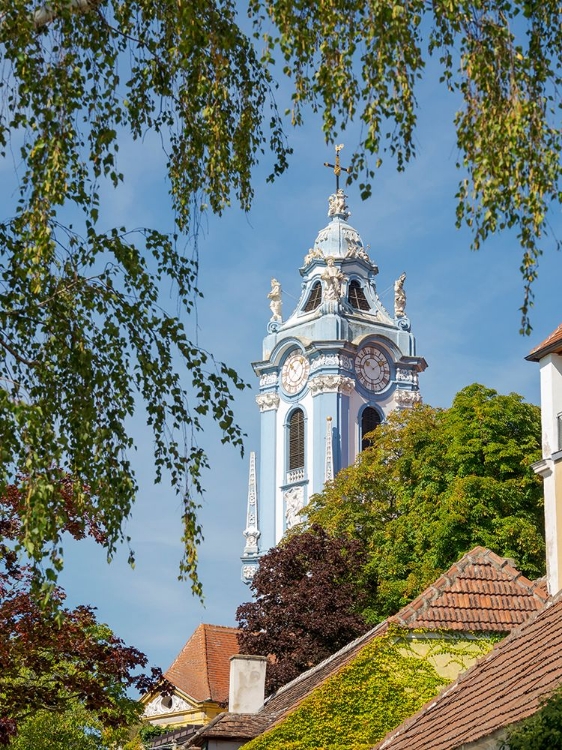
x=482 y=593
x=506 y=686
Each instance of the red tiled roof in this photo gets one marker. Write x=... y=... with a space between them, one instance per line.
x=552 y=343
x=504 y=687
x=201 y=669
x=482 y=592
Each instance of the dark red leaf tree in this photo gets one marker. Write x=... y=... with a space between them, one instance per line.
x=51 y=655
x=308 y=596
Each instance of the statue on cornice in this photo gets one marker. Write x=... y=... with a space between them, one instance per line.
x=276 y=303
x=313 y=254
x=337 y=205
x=399 y=297
x=332 y=278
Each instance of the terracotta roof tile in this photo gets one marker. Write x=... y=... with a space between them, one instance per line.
x=504 y=687
x=201 y=669
x=552 y=343
x=482 y=592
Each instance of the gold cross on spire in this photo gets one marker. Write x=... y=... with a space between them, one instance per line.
x=337 y=167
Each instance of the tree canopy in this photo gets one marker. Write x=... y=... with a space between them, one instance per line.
x=540 y=731
x=435 y=483
x=56 y=660
x=85 y=337
x=307 y=601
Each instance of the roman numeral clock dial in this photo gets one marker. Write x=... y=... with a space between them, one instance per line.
x=295 y=373
x=372 y=368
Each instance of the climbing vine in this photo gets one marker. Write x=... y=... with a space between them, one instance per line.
x=390 y=679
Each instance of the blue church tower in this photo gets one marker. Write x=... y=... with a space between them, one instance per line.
x=329 y=374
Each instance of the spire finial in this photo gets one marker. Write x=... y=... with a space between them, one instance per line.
x=337 y=167
x=251 y=532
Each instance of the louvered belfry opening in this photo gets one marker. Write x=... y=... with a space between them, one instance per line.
x=356 y=297
x=296 y=440
x=314 y=298
x=370 y=420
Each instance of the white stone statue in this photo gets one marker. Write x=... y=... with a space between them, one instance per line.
x=312 y=254
x=332 y=278
x=399 y=297
x=276 y=303
x=337 y=205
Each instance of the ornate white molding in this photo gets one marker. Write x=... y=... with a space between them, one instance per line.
x=252 y=532
x=331 y=384
x=331 y=360
x=407 y=376
x=294 y=501
x=408 y=398
x=295 y=475
x=166 y=704
x=329 y=457
x=248 y=572
x=267 y=401
x=270 y=378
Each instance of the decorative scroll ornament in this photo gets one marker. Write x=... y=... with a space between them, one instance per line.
x=331 y=360
x=270 y=378
x=267 y=401
x=294 y=501
x=405 y=399
x=331 y=384
x=248 y=572
x=407 y=376
x=166 y=705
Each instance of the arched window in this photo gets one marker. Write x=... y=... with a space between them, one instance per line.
x=370 y=420
x=314 y=298
x=296 y=440
x=356 y=296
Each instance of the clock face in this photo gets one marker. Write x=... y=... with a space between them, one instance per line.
x=372 y=368
x=295 y=372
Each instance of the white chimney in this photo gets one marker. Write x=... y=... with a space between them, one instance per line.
x=549 y=355
x=247 y=683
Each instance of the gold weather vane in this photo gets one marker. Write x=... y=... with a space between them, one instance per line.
x=337 y=167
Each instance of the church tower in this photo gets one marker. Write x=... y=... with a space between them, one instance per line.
x=329 y=374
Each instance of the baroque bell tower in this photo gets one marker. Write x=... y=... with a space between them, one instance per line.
x=329 y=374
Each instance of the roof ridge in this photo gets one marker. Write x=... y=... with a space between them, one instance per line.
x=206 y=657
x=222 y=627
x=478 y=554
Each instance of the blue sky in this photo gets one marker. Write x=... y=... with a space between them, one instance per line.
x=464 y=312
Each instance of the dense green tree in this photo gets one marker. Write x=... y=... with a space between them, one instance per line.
x=308 y=595
x=73 y=728
x=541 y=731
x=435 y=483
x=84 y=339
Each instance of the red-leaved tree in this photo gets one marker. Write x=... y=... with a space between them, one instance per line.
x=307 y=603
x=50 y=655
